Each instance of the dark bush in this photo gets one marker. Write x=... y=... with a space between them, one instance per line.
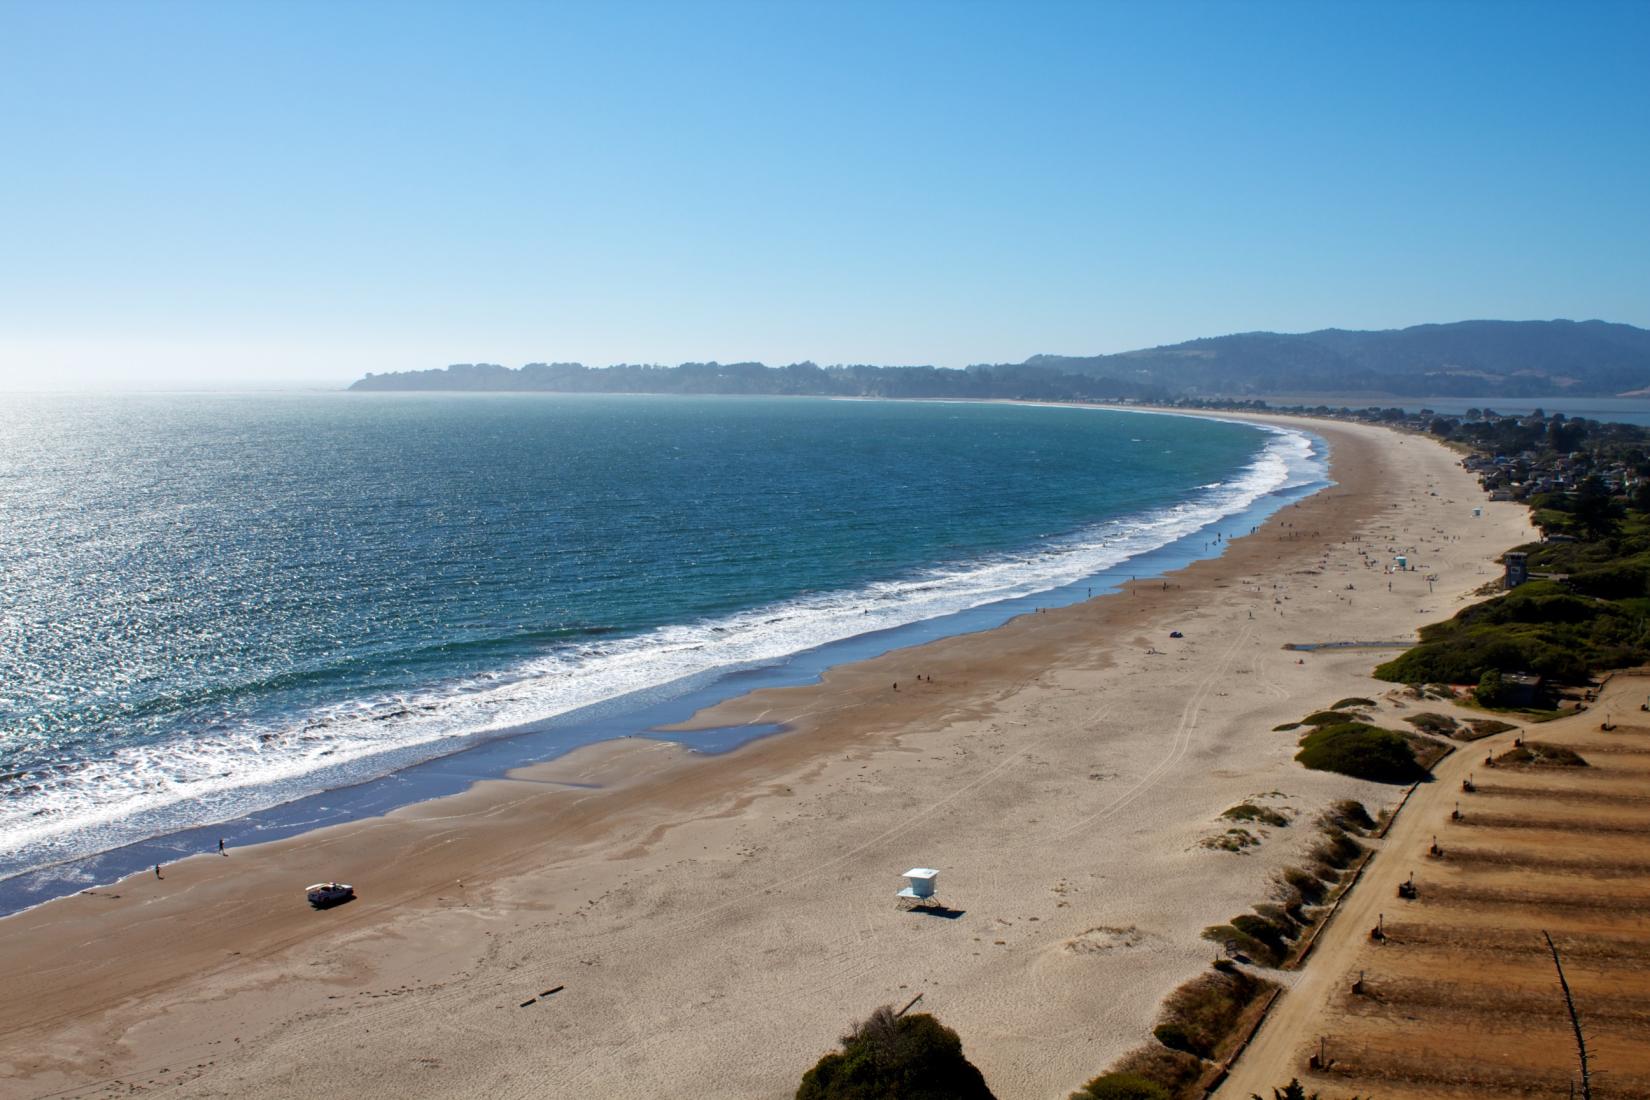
x=1538 y=627
x=1307 y=885
x=895 y=1056
x=1362 y=751
x=1618 y=581
x=1349 y=816
x=1234 y=939
x=1338 y=850
x=1353 y=701
x=1122 y=1086
x=1268 y=932
x=1175 y=1037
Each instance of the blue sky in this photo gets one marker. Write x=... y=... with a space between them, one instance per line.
x=240 y=194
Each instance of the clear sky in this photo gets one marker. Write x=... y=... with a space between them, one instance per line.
x=245 y=194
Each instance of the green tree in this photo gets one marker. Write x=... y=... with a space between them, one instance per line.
x=1597 y=512
x=890 y=1057
x=1491 y=690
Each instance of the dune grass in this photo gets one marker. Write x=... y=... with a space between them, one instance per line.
x=1542 y=754
x=1476 y=728
x=1200 y=1016
x=1439 y=725
x=1265 y=815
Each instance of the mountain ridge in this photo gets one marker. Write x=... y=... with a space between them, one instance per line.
x=1476 y=358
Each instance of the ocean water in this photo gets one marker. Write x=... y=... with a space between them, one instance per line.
x=212 y=605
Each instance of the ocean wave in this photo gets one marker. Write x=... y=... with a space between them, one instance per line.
x=75 y=807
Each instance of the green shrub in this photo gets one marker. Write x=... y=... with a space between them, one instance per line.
x=1173 y=1072
x=895 y=1056
x=1353 y=701
x=1617 y=581
x=1328 y=718
x=1491 y=690
x=1286 y=727
x=1540 y=627
x=1122 y=1086
x=1362 y=751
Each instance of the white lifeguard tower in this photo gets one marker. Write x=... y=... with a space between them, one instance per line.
x=919 y=887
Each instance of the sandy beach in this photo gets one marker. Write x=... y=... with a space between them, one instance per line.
x=713 y=924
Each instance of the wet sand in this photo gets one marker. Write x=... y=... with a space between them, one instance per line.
x=715 y=923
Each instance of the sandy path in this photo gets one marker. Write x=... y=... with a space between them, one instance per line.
x=717 y=922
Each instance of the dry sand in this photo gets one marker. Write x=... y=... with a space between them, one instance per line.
x=716 y=923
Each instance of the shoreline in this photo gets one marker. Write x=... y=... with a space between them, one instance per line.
x=640 y=714
x=686 y=900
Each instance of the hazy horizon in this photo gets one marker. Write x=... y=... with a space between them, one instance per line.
x=230 y=198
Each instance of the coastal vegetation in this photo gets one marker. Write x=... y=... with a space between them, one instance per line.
x=1151 y=1072
x=1544 y=627
x=1439 y=725
x=1477 y=728
x=1541 y=754
x=1264 y=815
x=1197 y=1017
x=912 y=1057
x=1587 y=608
x=1369 y=752
x=1205 y=1019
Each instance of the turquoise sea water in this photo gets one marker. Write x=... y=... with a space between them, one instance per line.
x=216 y=604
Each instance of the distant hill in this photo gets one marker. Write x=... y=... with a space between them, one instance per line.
x=1476 y=359
x=1485 y=359
x=1009 y=380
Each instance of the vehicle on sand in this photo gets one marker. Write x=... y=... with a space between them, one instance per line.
x=323 y=894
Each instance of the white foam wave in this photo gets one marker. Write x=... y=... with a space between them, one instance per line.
x=148 y=790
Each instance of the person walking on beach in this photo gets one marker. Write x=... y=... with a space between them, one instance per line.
x=157 y=870
x=221 y=852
